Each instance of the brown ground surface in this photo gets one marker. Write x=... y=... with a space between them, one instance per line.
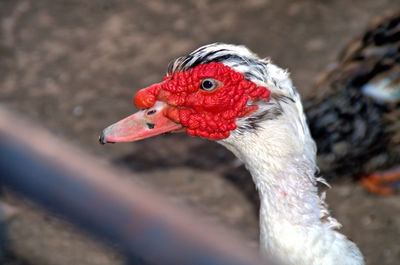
x=75 y=65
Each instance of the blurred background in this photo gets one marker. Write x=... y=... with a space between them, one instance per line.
x=74 y=66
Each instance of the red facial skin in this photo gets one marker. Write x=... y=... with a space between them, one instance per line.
x=210 y=115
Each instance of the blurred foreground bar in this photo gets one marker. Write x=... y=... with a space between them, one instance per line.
x=101 y=200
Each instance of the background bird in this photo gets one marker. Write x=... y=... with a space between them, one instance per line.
x=354 y=113
x=227 y=93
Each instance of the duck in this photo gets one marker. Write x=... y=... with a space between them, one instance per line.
x=228 y=94
x=354 y=109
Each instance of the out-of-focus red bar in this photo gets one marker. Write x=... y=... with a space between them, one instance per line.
x=102 y=200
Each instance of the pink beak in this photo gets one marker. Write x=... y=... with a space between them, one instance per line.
x=143 y=124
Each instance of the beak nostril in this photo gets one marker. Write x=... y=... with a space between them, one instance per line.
x=150 y=125
x=151 y=112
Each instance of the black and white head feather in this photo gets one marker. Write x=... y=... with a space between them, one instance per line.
x=240 y=59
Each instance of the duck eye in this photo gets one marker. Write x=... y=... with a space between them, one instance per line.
x=208 y=84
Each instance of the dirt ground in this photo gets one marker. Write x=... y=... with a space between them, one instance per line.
x=75 y=65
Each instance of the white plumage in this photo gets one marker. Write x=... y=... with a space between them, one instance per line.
x=295 y=224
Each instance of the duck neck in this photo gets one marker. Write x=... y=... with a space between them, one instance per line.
x=293 y=217
x=284 y=177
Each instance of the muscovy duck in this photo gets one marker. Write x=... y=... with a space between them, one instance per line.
x=228 y=94
x=354 y=110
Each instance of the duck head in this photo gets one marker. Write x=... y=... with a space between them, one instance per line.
x=216 y=91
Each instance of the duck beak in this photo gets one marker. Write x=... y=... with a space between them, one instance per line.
x=143 y=124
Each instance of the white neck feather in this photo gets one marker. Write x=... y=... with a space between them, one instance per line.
x=295 y=225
